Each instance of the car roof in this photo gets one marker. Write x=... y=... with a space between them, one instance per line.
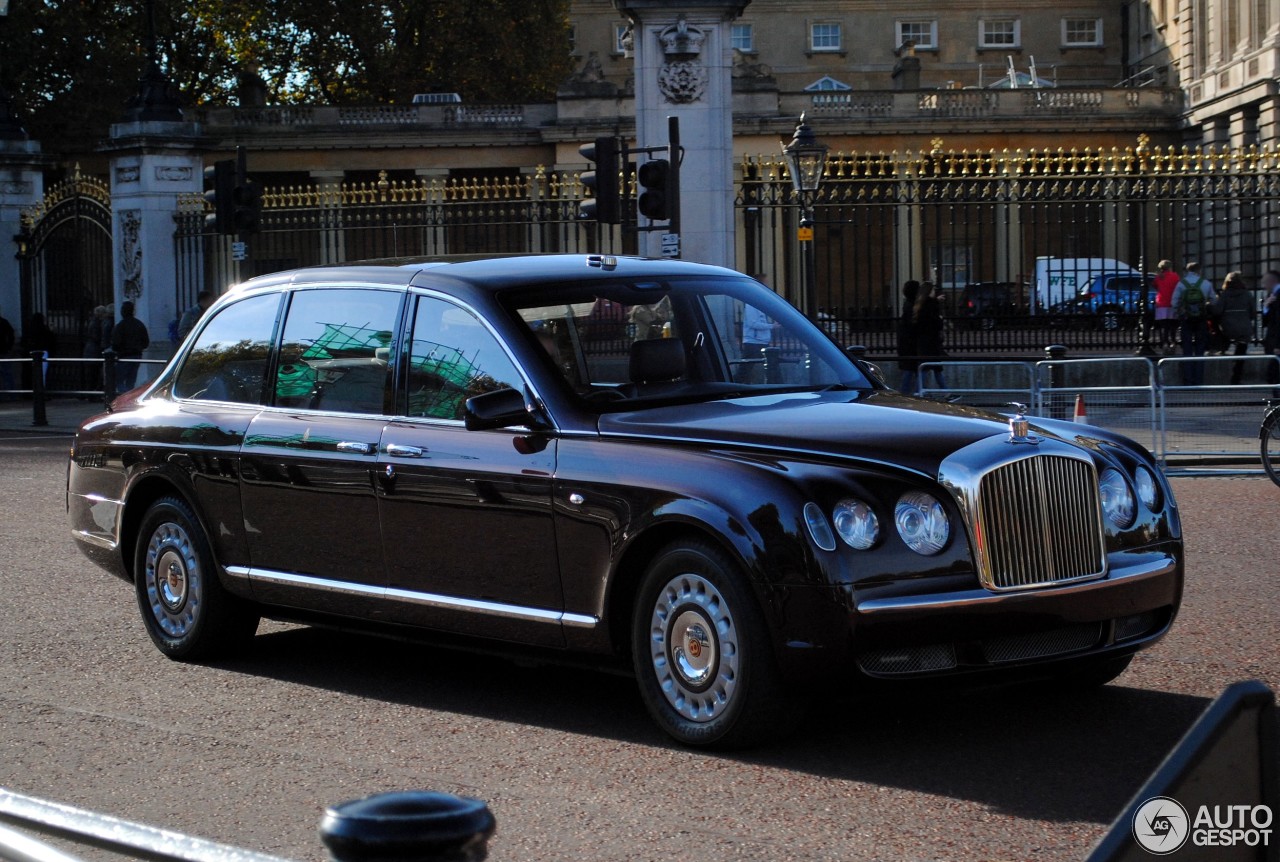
x=489 y=271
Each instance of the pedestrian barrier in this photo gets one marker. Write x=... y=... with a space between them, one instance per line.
x=1184 y=424
x=42 y=373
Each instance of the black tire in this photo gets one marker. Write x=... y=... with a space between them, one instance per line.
x=186 y=610
x=1270 y=435
x=703 y=660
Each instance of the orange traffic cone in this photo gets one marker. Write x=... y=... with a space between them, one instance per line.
x=1080 y=416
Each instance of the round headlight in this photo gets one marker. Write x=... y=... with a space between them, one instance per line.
x=922 y=523
x=1148 y=488
x=856 y=524
x=1117 y=499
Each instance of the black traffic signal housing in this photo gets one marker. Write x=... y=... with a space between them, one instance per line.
x=656 y=194
x=248 y=205
x=603 y=202
x=221 y=179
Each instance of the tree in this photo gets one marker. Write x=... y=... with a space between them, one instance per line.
x=82 y=62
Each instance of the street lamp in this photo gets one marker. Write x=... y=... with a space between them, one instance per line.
x=806 y=161
x=10 y=128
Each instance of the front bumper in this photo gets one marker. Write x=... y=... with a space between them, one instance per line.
x=899 y=634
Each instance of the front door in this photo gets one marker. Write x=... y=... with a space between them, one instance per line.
x=467 y=522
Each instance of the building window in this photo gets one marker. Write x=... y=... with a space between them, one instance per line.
x=999 y=33
x=621 y=36
x=1081 y=32
x=743 y=38
x=573 y=40
x=824 y=36
x=923 y=33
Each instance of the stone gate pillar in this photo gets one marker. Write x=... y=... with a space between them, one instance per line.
x=153 y=165
x=21 y=187
x=684 y=69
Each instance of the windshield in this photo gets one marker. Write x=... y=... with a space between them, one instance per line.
x=616 y=345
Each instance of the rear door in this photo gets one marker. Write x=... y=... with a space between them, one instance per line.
x=308 y=459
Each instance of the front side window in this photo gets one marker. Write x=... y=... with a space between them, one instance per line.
x=451 y=358
x=824 y=36
x=336 y=351
x=924 y=34
x=1081 y=32
x=683 y=340
x=229 y=358
x=999 y=33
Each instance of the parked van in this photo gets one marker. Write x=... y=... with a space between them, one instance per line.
x=1060 y=279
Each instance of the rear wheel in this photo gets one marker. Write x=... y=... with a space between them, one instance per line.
x=187 y=613
x=702 y=655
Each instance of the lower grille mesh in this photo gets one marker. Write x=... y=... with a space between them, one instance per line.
x=1039 y=523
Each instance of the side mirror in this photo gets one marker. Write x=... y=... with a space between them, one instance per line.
x=503 y=408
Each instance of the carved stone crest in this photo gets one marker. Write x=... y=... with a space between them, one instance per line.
x=173 y=173
x=683 y=82
x=682 y=78
x=128 y=174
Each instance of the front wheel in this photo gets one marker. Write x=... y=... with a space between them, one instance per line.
x=187 y=613
x=702 y=656
x=1271 y=445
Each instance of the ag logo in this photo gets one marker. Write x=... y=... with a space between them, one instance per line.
x=1161 y=825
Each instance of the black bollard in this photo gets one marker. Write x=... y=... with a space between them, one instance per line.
x=408 y=826
x=108 y=376
x=1057 y=375
x=38 y=414
x=856 y=351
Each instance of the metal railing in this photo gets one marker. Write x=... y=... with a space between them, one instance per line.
x=419 y=825
x=42 y=377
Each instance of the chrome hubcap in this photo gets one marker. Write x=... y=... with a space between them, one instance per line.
x=172 y=580
x=694 y=647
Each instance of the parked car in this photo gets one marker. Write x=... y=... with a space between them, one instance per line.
x=984 y=304
x=1109 y=301
x=574 y=454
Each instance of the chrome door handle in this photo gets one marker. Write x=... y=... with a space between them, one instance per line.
x=398 y=450
x=357 y=448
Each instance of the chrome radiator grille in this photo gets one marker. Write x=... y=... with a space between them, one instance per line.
x=1039 y=523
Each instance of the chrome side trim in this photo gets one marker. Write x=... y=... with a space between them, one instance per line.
x=90 y=539
x=413 y=597
x=982 y=597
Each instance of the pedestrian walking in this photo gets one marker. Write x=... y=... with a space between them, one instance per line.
x=7 y=338
x=908 y=350
x=129 y=339
x=37 y=337
x=1166 y=282
x=97 y=338
x=1271 y=322
x=930 y=326
x=1233 y=313
x=1191 y=302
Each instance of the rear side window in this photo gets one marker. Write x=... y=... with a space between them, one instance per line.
x=229 y=358
x=336 y=351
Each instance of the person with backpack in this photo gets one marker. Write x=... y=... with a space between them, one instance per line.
x=1192 y=300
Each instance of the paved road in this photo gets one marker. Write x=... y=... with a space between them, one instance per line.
x=250 y=752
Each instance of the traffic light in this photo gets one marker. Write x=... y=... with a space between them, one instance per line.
x=221 y=177
x=248 y=205
x=603 y=202
x=247 y=196
x=655 y=177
